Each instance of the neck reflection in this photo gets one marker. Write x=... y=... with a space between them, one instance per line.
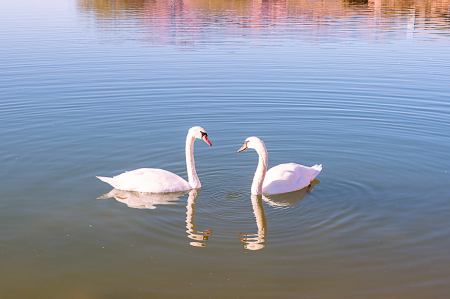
x=255 y=241
x=143 y=200
x=192 y=233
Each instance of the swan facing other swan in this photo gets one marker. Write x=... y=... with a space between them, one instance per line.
x=282 y=178
x=160 y=180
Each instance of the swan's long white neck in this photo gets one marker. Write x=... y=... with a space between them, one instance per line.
x=261 y=170
x=194 y=182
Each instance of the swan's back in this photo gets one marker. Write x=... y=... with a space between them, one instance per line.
x=148 y=180
x=289 y=177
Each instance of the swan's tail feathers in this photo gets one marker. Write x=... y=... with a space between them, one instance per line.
x=107 y=180
x=317 y=168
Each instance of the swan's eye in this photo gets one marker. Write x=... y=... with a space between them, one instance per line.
x=204 y=134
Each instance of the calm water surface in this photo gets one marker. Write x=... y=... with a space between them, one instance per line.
x=100 y=87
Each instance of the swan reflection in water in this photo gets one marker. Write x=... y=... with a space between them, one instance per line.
x=192 y=233
x=287 y=200
x=255 y=241
x=144 y=200
x=278 y=201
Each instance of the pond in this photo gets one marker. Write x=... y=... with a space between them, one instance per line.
x=96 y=88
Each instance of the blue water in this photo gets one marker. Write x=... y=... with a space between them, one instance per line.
x=88 y=88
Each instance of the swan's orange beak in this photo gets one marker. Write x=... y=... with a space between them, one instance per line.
x=244 y=147
x=205 y=139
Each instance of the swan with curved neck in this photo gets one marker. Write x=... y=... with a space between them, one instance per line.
x=282 y=178
x=160 y=180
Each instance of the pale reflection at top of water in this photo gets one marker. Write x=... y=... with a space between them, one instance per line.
x=287 y=200
x=279 y=201
x=186 y=22
x=144 y=200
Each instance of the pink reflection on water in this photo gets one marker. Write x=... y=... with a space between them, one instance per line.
x=195 y=22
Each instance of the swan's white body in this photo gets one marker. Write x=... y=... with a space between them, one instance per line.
x=282 y=178
x=159 y=180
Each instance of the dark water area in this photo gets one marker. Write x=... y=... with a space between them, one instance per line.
x=92 y=88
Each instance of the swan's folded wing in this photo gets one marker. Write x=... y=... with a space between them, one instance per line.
x=287 y=178
x=148 y=180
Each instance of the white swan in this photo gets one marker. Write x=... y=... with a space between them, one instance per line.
x=281 y=178
x=160 y=180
